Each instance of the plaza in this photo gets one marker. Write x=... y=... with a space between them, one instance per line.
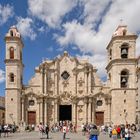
x=56 y=136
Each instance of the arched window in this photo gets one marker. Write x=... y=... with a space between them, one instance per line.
x=11 y=77
x=11 y=53
x=124 y=50
x=124 y=79
x=11 y=33
x=124 y=32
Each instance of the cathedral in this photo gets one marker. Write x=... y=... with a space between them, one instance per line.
x=68 y=88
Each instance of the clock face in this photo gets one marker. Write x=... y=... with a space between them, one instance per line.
x=65 y=75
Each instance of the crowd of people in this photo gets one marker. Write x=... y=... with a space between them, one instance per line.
x=115 y=132
x=122 y=131
x=6 y=129
x=62 y=126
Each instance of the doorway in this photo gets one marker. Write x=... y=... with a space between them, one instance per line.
x=65 y=112
x=99 y=118
x=31 y=117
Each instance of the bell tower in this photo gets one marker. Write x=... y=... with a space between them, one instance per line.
x=14 y=70
x=121 y=71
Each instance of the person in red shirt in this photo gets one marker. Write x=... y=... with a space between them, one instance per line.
x=118 y=132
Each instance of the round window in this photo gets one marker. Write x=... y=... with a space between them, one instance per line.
x=99 y=103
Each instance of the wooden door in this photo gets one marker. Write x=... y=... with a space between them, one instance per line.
x=31 y=117
x=99 y=118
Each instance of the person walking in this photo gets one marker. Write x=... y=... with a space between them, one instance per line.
x=93 y=133
x=47 y=130
x=64 y=131
x=41 y=130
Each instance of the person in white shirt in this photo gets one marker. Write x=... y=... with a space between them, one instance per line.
x=64 y=132
x=127 y=132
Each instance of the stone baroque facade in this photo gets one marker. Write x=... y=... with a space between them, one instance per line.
x=67 y=88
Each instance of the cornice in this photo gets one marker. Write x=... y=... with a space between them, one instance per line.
x=127 y=37
x=13 y=61
x=123 y=89
x=13 y=88
x=122 y=61
x=13 y=38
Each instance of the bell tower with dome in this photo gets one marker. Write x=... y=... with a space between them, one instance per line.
x=14 y=70
x=121 y=71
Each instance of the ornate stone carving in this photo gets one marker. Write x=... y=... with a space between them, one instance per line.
x=66 y=97
x=80 y=112
x=65 y=83
x=80 y=82
x=50 y=111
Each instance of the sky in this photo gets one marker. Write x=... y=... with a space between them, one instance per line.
x=83 y=28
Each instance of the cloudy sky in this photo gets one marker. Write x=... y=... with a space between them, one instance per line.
x=81 y=27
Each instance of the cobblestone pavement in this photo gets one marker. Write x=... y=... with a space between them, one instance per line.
x=55 y=136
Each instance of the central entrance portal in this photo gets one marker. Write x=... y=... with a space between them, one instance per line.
x=65 y=112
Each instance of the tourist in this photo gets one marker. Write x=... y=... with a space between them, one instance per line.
x=110 y=131
x=93 y=133
x=6 y=130
x=118 y=132
x=41 y=130
x=47 y=130
x=127 y=132
x=64 y=131
x=114 y=133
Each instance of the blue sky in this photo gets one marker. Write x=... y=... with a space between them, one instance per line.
x=49 y=27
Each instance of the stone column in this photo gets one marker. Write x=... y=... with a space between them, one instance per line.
x=86 y=83
x=45 y=112
x=109 y=111
x=89 y=110
x=23 y=111
x=85 y=110
x=89 y=82
x=74 y=112
x=42 y=80
x=93 y=110
x=45 y=81
x=55 y=83
x=75 y=80
x=55 y=111
x=41 y=110
x=38 y=112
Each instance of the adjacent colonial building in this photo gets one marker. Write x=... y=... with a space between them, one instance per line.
x=67 y=88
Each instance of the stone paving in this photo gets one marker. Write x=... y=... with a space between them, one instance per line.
x=56 y=136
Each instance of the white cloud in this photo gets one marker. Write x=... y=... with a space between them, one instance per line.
x=2 y=76
x=41 y=29
x=93 y=10
x=82 y=36
x=25 y=27
x=88 y=39
x=50 y=11
x=5 y=13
